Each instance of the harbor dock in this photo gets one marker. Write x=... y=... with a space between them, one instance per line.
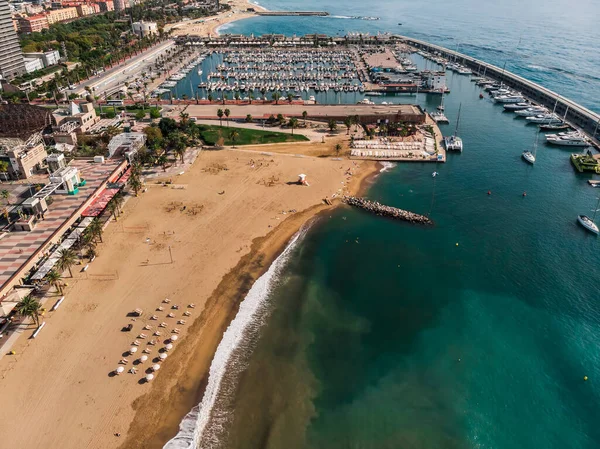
x=577 y=115
x=382 y=210
x=292 y=13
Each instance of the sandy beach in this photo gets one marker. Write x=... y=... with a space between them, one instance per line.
x=220 y=244
x=208 y=26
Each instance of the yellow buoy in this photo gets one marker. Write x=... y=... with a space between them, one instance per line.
x=585 y=378
x=456 y=244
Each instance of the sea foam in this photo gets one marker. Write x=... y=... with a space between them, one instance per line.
x=201 y=427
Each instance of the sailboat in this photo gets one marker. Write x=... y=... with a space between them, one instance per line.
x=454 y=143
x=587 y=222
x=441 y=106
x=557 y=126
x=528 y=155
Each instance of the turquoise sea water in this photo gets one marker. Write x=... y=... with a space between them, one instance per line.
x=384 y=335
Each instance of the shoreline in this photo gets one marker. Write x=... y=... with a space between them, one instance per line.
x=193 y=359
x=210 y=26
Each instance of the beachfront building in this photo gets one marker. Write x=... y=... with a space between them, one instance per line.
x=11 y=56
x=21 y=143
x=126 y=145
x=33 y=24
x=62 y=14
x=75 y=118
x=144 y=29
x=67 y=179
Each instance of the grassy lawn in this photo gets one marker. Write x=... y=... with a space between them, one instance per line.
x=210 y=134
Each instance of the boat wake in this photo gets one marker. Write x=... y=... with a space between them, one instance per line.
x=205 y=423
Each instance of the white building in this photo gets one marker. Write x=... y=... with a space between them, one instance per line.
x=47 y=58
x=436 y=81
x=33 y=64
x=144 y=29
x=126 y=144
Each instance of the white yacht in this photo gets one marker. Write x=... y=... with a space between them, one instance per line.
x=568 y=139
x=587 y=223
x=542 y=118
x=534 y=110
x=528 y=155
x=509 y=99
x=517 y=106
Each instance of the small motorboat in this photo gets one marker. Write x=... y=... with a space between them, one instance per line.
x=481 y=96
x=587 y=223
x=434 y=174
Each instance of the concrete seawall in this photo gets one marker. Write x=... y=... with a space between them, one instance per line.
x=577 y=115
x=382 y=210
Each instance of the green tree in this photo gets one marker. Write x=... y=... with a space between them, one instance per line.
x=337 y=148
x=280 y=119
x=233 y=135
x=304 y=115
x=290 y=97
x=5 y=194
x=135 y=183
x=220 y=115
x=348 y=123
x=54 y=278
x=66 y=259
x=276 y=96
x=30 y=307
x=332 y=125
x=112 y=206
x=249 y=118
x=227 y=113
x=154 y=113
x=293 y=123
x=139 y=115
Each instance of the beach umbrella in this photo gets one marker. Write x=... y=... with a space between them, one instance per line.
x=163 y=356
x=174 y=337
x=155 y=367
x=133 y=350
x=169 y=347
x=143 y=358
x=119 y=370
x=149 y=377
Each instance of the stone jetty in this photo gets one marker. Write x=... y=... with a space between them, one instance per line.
x=386 y=211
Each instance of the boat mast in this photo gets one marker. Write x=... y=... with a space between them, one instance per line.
x=535 y=144
x=596 y=210
x=457 y=119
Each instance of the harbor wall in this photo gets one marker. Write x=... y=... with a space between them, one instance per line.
x=577 y=115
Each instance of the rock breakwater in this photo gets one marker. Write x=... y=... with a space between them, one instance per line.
x=377 y=208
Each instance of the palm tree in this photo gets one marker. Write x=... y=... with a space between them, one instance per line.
x=233 y=136
x=95 y=229
x=263 y=91
x=348 y=123
x=249 y=118
x=290 y=97
x=54 y=277
x=135 y=183
x=332 y=125
x=66 y=259
x=251 y=97
x=180 y=151
x=210 y=98
x=184 y=117
x=220 y=115
x=119 y=199
x=227 y=113
x=304 y=115
x=337 y=148
x=113 y=208
x=5 y=195
x=276 y=96
x=30 y=307
x=293 y=123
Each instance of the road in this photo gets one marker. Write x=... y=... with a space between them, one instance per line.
x=112 y=78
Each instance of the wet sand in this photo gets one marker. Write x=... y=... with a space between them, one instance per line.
x=61 y=381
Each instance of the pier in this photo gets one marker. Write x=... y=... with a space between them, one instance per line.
x=292 y=13
x=382 y=210
x=579 y=116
